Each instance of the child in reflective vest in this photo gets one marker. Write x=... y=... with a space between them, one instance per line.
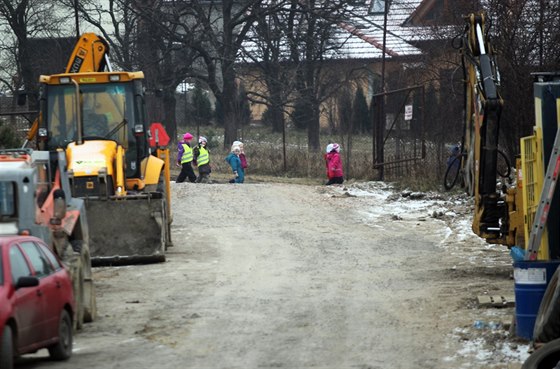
x=185 y=158
x=202 y=160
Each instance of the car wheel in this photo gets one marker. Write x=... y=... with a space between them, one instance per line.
x=7 y=349
x=547 y=323
x=62 y=350
x=546 y=357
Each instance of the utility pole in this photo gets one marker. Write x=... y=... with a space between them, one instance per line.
x=381 y=110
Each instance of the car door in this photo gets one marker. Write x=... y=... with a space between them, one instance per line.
x=48 y=288
x=63 y=292
x=27 y=301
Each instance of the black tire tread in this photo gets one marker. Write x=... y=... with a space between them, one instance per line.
x=59 y=351
x=545 y=357
x=547 y=323
x=7 y=349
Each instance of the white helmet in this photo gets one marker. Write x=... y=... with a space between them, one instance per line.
x=329 y=148
x=202 y=139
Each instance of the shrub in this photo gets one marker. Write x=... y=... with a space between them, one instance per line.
x=8 y=137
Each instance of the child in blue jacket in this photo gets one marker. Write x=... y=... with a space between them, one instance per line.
x=235 y=163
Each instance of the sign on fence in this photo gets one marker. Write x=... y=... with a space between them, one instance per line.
x=408 y=112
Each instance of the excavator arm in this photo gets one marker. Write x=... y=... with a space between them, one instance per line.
x=483 y=107
x=91 y=54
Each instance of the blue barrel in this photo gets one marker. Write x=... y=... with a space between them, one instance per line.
x=531 y=279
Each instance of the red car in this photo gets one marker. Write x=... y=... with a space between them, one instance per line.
x=36 y=300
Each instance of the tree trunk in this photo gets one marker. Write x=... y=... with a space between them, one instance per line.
x=313 y=126
x=169 y=114
x=274 y=86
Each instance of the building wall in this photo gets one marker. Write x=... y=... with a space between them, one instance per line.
x=348 y=75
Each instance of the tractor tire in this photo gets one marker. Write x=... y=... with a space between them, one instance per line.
x=90 y=304
x=77 y=273
x=546 y=357
x=62 y=350
x=547 y=323
x=7 y=349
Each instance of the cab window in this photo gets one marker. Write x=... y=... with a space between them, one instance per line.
x=38 y=260
x=18 y=264
x=7 y=200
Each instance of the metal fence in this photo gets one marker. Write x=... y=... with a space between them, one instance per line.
x=406 y=157
x=412 y=149
x=414 y=145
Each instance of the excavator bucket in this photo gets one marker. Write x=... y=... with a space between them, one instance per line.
x=128 y=231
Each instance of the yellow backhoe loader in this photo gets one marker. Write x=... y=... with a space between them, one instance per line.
x=523 y=212
x=98 y=118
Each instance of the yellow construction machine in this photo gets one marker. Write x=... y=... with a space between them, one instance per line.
x=498 y=214
x=522 y=212
x=98 y=117
x=505 y=208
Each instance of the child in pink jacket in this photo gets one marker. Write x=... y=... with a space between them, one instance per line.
x=334 y=165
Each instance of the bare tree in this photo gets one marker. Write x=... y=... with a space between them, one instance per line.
x=144 y=34
x=264 y=53
x=26 y=19
x=291 y=49
x=215 y=31
x=310 y=28
x=526 y=35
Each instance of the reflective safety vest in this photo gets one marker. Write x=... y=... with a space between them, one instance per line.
x=187 y=154
x=203 y=157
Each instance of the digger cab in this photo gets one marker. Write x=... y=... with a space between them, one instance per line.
x=110 y=106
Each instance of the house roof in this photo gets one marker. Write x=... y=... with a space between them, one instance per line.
x=367 y=25
x=361 y=36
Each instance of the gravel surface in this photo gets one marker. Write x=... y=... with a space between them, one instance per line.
x=283 y=275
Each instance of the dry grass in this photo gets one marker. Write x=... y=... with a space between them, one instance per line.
x=265 y=155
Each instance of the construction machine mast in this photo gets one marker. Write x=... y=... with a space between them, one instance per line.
x=91 y=54
x=483 y=106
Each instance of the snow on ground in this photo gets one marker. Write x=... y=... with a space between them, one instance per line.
x=486 y=340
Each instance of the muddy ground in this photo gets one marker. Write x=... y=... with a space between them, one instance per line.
x=270 y=275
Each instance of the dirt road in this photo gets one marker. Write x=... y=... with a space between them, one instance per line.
x=283 y=275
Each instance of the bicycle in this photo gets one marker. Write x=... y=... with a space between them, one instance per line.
x=455 y=169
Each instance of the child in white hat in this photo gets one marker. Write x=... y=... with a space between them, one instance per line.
x=202 y=160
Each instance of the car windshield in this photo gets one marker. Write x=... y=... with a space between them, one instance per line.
x=7 y=203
